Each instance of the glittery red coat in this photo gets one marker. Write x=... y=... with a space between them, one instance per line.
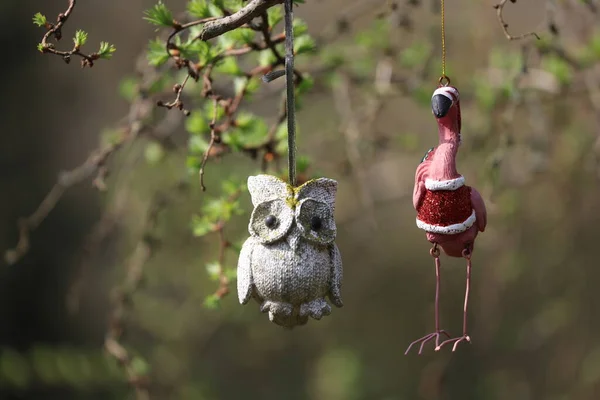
x=445 y=207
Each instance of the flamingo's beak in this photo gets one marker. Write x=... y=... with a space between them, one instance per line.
x=440 y=105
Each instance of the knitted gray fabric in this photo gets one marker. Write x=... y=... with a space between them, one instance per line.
x=290 y=262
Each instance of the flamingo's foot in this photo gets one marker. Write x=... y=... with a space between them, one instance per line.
x=427 y=338
x=457 y=340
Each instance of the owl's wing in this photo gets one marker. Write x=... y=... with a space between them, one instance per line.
x=244 y=271
x=335 y=290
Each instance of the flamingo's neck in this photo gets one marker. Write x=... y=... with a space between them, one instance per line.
x=443 y=163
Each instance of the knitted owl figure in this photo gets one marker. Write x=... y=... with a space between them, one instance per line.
x=290 y=262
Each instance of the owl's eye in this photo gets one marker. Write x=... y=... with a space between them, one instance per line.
x=271 y=221
x=315 y=223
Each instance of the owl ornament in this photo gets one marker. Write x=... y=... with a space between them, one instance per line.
x=450 y=212
x=290 y=263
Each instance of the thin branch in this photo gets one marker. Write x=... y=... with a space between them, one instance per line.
x=55 y=31
x=213 y=139
x=177 y=103
x=95 y=164
x=500 y=15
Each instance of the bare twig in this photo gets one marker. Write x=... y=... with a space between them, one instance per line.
x=500 y=15
x=94 y=163
x=213 y=139
x=177 y=103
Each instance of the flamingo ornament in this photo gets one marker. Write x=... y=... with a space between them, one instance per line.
x=451 y=213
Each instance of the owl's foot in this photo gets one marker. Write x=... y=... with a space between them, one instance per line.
x=316 y=309
x=282 y=314
x=457 y=340
x=426 y=339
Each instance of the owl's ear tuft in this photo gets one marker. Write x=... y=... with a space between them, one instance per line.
x=266 y=187
x=321 y=189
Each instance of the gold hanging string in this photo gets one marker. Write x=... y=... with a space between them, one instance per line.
x=444 y=79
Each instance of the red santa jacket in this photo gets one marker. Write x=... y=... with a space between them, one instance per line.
x=446 y=207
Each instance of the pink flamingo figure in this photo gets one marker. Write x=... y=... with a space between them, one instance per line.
x=450 y=212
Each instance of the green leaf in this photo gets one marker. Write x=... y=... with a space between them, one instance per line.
x=304 y=44
x=484 y=93
x=106 y=50
x=274 y=16
x=193 y=164
x=128 y=88
x=212 y=302
x=154 y=153
x=160 y=84
x=375 y=37
x=302 y=164
x=243 y=35
x=415 y=55
x=80 y=38
x=201 y=226
x=559 y=68
x=229 y=66
x=305 y=85
x=231 y=273
x=197 y=145
x=266 y=58
x=209 y=110
x=213 y=269
x=230 y=187
x=39 y=19
x=251 y=131
x=139 y=366
x=41 y=47
x=159 y=15
x=300 y=27
x=240 y=84
x=198 y=9
x=199 y=49
x=196 y=124
x=253 y=85
x=157 y=55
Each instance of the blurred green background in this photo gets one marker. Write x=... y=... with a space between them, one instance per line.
x=530 y=146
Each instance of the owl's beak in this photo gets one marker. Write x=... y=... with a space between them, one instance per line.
x=292 y=240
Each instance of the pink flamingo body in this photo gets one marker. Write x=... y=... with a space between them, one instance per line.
x=451 y=213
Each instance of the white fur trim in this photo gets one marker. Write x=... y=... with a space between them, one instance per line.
x=450 y=229
x=445 y=91
x=450 y=184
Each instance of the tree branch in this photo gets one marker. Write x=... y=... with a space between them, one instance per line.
x=252 y=10
x=499 y=13
x=55 y=31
